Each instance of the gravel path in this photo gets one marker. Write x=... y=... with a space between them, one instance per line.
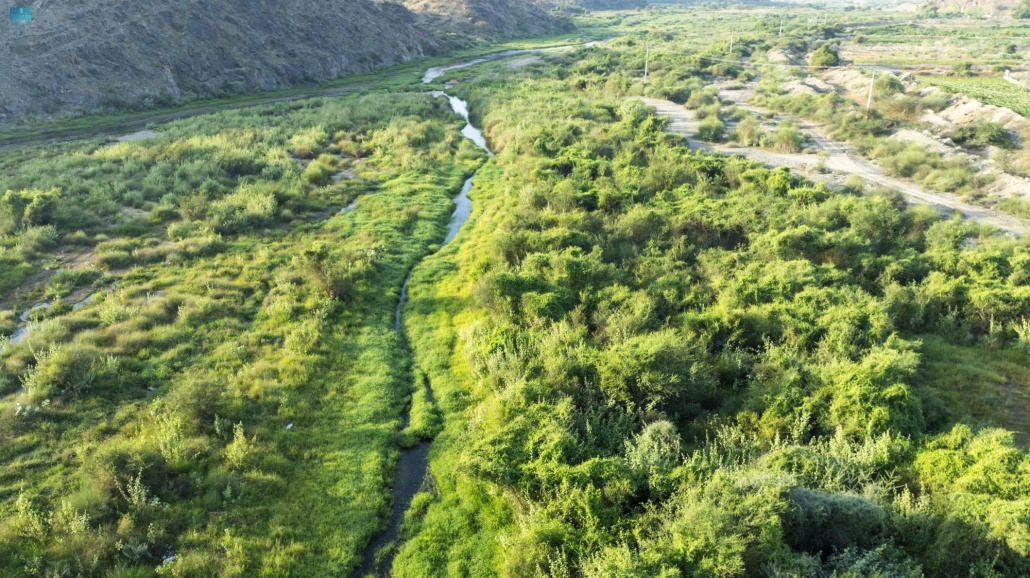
x=837 y=159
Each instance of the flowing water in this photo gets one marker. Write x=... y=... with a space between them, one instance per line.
x=413 y=465
x=434 y=73
x=23 y=330
x=353 y=205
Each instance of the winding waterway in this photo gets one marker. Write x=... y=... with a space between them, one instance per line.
x=434 y=73
x=413 y=465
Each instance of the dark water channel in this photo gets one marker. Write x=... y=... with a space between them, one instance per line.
x=413 y=466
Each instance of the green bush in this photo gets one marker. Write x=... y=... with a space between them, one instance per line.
x=711 y=129
x=788 y=138
x=35 y=240
x=341 y=274
x=248 y=208
x=749 y=133
x=68 y=368
x=824 y=56
x=65 y=280
x=26 y=209
x=318 y=173
x=824 y=523
x=980 y=134
x=115 y=260
x=887 y=85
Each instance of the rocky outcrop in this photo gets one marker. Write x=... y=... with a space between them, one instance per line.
x=85 y=55
x=594 y=4
x=612 y=4
x=485 y=17
x=989 y=8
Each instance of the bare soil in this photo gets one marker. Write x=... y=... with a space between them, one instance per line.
x=835 y=157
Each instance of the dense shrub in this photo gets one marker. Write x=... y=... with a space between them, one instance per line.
x=980 y=134
x=824 y=56
x=69 y=368
x=341 y=274
x=246 y=209
x=1023 y=9
x=711 y=129
x=788 y=138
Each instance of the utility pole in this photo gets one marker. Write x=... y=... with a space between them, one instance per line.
x=647 y=60
x=781 y=26
x=731 y=42
x=869 y=103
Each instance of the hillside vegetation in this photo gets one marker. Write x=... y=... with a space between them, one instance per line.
x=114 y=54
x=633 y=360
x=145 y=429
x=662 y=363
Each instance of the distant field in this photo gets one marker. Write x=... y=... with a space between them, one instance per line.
x=990 y=90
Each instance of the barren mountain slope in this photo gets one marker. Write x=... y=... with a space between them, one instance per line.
x=612 y=4
x=80 y=55
x=595 y=4
x=985 y=7
x=507 y=17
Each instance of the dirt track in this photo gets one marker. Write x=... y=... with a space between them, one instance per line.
x=837 y=159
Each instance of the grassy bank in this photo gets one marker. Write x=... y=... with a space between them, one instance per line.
x=237 y=364
x=657 y=362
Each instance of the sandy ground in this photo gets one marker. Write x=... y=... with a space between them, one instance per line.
x=520 y=62
x=836 y=157
x=141 y=135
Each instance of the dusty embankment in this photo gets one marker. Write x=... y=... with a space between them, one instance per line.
x=836 y=161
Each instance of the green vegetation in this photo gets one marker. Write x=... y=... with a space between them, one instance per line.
x=657 y=362
x=845 y=120
x=1023 y=9
x=643 y=360
x=150 y=435
x=981 y=134
x=824 y=56
x=987 y=89
x=984 y=43
x=711 y=129
x=913 y=161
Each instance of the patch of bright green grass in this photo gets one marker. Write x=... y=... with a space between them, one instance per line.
x=987 y=89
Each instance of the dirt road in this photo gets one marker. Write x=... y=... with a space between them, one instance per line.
x=836 y=159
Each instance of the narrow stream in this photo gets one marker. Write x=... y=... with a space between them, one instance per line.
x=413 y=465
x=23 y=330
x=434 y=73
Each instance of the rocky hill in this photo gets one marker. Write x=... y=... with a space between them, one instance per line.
x=485 y=17
x=80 y=56
x=990 y=8
x=612 y=4
x=595 y=4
